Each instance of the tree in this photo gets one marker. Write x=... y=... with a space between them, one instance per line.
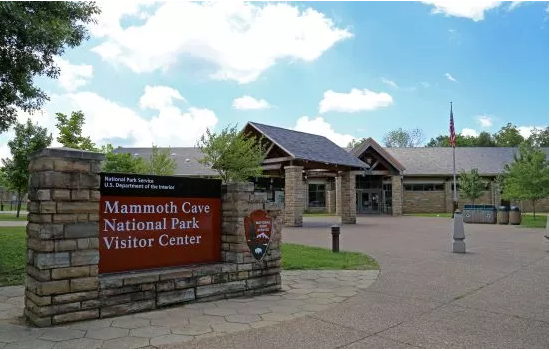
x=28 y=139
x=471 y=185
x=527 y=177
x=121 y=162
x=232 y=154
x=70 y=131
x=160 y=162
x=355 y=142
x=483 y=139
x=32 y=34
x=539 y=137
x=403 y=138
x=508 y=135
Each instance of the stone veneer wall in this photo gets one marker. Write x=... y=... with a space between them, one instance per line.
x=63 y=284
x=294 y=196
x=424 y=201
x=330 y=201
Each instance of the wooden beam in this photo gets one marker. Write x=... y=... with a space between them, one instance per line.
x=271 y=167
x=377 y=172
x=269 y=149
x=277 y=159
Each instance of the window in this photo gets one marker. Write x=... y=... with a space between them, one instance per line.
x=424 y=187
x=316 y=195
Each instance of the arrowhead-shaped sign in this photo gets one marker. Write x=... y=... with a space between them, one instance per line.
x=258 y=233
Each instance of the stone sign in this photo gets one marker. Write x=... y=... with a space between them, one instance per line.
x=258 y=233
x=157 y=221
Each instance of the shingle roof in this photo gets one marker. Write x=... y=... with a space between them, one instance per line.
x=307 y=146
x=186 y=159
x=438 y=160
x=358 y=150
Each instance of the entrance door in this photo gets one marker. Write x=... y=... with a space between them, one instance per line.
x=369 y=201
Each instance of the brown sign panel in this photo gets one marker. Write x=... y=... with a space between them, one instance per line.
x=258 y=233
x=154 y=222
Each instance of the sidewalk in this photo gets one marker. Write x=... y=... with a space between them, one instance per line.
x=304 y=293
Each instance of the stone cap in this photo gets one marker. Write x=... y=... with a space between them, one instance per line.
x=67 y=152
x=238 y=187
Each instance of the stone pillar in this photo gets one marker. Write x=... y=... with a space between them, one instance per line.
x=305 y=195
x=397 y=195
x=449 y=196
x=330 y=201
x=347 y=182
x=62 y=236
x=238 y=201
x=294 y=196
x=338 y=196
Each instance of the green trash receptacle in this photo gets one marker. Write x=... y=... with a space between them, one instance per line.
x=503 y=215
x=515 y=216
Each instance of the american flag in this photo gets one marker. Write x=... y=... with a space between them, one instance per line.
x=452 y=128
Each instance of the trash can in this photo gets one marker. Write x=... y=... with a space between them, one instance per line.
x=503 y=215
x=490 y=214
x=515 y=215
x=468 y=212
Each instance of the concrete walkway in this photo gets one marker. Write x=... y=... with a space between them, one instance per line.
x=495 y=296
x=304 y=293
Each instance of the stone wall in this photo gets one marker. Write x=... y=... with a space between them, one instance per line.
x=347 y=182
x=424 y=201
x=330 y=201
x=526 y=206
x=63 y=284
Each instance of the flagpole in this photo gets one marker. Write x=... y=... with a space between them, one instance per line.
x=454 y=179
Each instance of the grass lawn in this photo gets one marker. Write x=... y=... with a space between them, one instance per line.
x=11 y=217
x=528 y=221
x=322 y=214
x=308 y=257
x=12 y=256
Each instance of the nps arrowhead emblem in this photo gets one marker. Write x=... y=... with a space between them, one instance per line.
x=258 y=233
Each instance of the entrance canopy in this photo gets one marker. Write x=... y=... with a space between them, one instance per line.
x=285 y=147
x=379 y=161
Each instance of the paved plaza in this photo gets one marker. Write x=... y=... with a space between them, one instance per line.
x=494 y=296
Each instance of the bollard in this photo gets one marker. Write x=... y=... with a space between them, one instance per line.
x=335 y=233
x=458 y=233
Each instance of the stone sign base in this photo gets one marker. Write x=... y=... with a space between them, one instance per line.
x=63 y=284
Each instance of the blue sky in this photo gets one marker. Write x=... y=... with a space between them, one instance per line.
x=164 y=72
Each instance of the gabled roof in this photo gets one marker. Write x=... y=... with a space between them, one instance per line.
x=430 y=161
x=308 y=147
x=358 y=150
x=186 y=159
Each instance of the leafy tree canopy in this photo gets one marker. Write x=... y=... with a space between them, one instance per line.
x=471 y=185
x=509 y=135
x=160 y=162
x=121 y=162
x=233 y=155
x=70 y=132
x=539 y=137
x=28 y=138
x=527 y=177
x=403 y=138
x=355 y=142
x=32 y=33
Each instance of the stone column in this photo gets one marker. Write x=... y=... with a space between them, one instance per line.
x=238 y=201
x=330 y=201
x=62 y=236
x=449 y=196
x=305 y=195
x=397 y=195
x=294 y=196
x=338 y=196
x=347 y=194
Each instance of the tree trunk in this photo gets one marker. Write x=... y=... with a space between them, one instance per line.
x=18 y=202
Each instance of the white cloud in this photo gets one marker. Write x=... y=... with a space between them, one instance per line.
x=485 y=121
x=389 y=82
x=525 y=131
x=159 y=97
x=73 y=76
x=425 y=84
x=355 y=101
x=469 y=132
x=515 y=4
x=241 y=40
x=449 y=77
x=108 y=121
x=319 y=126
x=247 y=102
x=474 y=10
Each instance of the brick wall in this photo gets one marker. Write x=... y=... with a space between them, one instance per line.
x=63 y=284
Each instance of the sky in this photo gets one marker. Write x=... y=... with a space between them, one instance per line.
x=163 y=72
